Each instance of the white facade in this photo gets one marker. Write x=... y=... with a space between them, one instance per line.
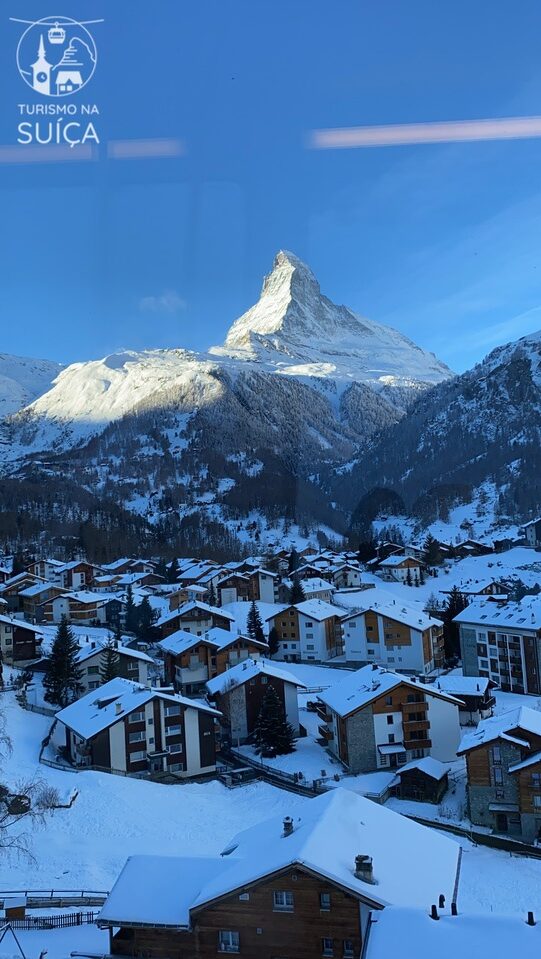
x=363 y=647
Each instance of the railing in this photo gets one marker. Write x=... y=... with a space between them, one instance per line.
x=295 y=782
x=60 y=898
x=54 y=922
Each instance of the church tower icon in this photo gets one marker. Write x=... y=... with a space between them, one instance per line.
x=41 y=71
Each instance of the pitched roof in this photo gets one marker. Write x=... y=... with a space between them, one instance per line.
x=524 y=615
x=317 y=609
x=462 y=685
x=196 y=604
x=429 y=766
x=411 y=863
x=87 y=718
x=523 y=718
x=249 y=669
x=88 y=650
x=362 y=686
x=385 y=603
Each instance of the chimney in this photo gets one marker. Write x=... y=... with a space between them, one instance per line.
x=441 y=902
x=288 y=826
x=434 y=911
x=118 y=708
x=364 y=868
x=454 y=910
x=530 y=920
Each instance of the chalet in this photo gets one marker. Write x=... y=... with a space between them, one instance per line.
x=390 y=632
x=479 y=587
x=532 y=533
x=20 y=642
x=314 y=588
x=503 y=765
x=83 y=608
x=180 y=595
x=46 y=569
x=456 y=934
x=502 y=642
x=471 y=547
x=401 y=569
x=205 y=573
x=4 y=574
x=475 y=694
x=376 y=719
x=130 y=728
x=78 y=574
x=10 y=589
x=258 y=584
x=131 y=664
x=285 y=887
x=124 y=565
x=196 y=618
x=190 y=661
x=423 y=780
x=308 y=631
x=346 y=576
x=239 y=693
x=33 y=597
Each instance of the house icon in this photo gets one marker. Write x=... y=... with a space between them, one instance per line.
x=68 y=80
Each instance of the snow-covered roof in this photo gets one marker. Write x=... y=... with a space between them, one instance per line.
x=87 y=598
x=314 y=583
x=462 y=685
x=385 y=603
x=359 y=688
x=530 y=761
x=317 y=609
x=36 y=589
x=181 y=640
x=522 y=616
x=22 y=623
x=420 y=937
x=189 y=607
x=523 y=718
x=427 y=765
x=412 y=864
x=91 y=649
x=246 y=670
x=394 y=560
x=120 y=697
x=159 y=890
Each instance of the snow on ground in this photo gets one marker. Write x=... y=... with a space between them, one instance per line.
x=59 y=943
x=240 y=611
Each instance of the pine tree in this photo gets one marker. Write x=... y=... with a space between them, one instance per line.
x=273 y=735
x=274 y=642
x=296 y=593
x=110 y=661
x=294 y=560
x=212 y=600
x=408 y=577
x=173 y=571
x=132 y=618
x=62 y=679
x=432 y=554
x=145 y=619
x=421 y=575
x=254 y=624
x=451 y=632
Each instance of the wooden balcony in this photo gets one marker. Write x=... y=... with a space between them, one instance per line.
x=416 y=725
x=417 y=743
x=325 y=732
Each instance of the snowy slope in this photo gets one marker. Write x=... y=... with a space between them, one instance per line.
x=22 y=380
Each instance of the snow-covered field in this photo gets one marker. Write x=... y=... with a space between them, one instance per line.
x=114 y=817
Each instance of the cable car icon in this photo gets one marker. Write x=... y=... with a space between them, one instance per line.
x=57 y=34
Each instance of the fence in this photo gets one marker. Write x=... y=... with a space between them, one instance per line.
x=57 y=898
x=493 y=840
x=54 y=922
x=42 y=710
x=291 y=781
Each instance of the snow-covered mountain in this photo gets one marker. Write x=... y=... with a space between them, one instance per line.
x=481 y=427
x=22 y=380
x=252 y=427
x=293 y=331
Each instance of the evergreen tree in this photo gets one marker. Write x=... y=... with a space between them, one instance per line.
x=294 y=561
x=145 y=619
x=366 y=550
x=132 y=618
x=110 y=661
x=254 y=624
x=18 y=565
x=432 y=554
x=173 y=571
x=274 y=642
x=273 y=735
x=62 y=679
x=451 y=632
x=296 y=593
x=408 y=577
x=118 y=633
x=422 y=575
x=213 y=599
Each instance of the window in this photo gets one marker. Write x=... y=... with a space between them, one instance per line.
x=498 y=776
x=174 y=748
x=138 y=717
x=244 y=897
x=309 y=635
x=390 y=720
x=536 y=780
x=325 y=901
x=282 y=901
x=310 y=646
x=228 y=941
x=173 y=730
x=137 y=756
x=176 y=767
x=537 y=802
x=347 y=948
x=496 y=754
x=93 y=670
x=137 y=737
x=308 y=624
x=388 y=700
x=173 y=710
x=391 y=737
x=94 y=685
x=327 y=946
x=264 y=680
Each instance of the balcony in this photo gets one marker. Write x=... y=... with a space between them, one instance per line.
x=415 y=725
x=325 y=732
x=415 y=707
x=417 y=743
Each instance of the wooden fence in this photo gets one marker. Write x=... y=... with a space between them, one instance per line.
x=54 y=922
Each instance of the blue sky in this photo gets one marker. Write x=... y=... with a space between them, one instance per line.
x=441 y=242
